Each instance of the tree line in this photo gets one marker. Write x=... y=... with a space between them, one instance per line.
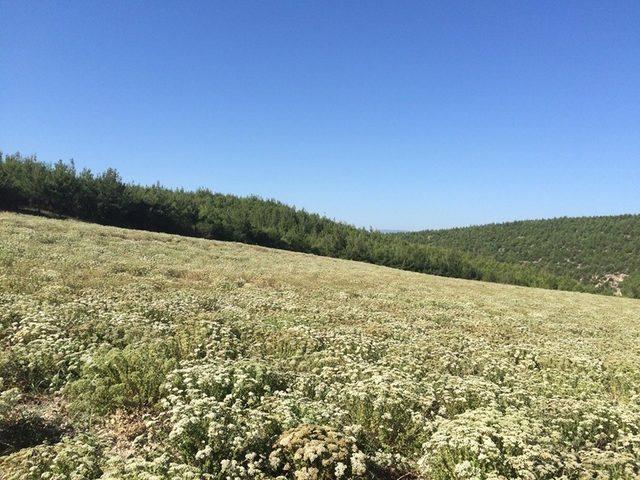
x=31 y=186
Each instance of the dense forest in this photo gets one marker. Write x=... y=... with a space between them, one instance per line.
x=31 y=186
x=602 y=252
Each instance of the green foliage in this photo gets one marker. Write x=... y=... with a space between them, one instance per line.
x=122 y=378
x=591 y=250
x=631 y=285
x=27 y=184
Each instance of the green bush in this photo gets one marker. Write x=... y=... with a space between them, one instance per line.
x=631 y=286
x=122 y=378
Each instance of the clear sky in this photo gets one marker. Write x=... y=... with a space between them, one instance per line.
x=396 y=115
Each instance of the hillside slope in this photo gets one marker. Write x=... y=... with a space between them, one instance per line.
x=27 y=184
x=129 y=354
x=598 y=251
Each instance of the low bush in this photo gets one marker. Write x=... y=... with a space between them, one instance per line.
x=121 y=378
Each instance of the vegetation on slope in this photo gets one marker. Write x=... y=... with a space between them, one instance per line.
x=134 y=355
x=596 y=251
x=26 y=183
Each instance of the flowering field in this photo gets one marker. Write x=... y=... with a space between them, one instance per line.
x=136 y=355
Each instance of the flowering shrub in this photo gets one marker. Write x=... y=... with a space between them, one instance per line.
x=9 y=399
x=174 y=358
x=215 y=416
x=309 y=452
x=486 y=441
x=71 y=459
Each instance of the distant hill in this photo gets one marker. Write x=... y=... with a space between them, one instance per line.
x=600 y=252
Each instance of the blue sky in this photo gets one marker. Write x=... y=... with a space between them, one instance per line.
x=396 y=115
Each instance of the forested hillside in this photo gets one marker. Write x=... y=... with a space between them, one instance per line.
x=27 y=184
x=596 y=251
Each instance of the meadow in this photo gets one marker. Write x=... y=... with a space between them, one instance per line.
x=135 y=355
